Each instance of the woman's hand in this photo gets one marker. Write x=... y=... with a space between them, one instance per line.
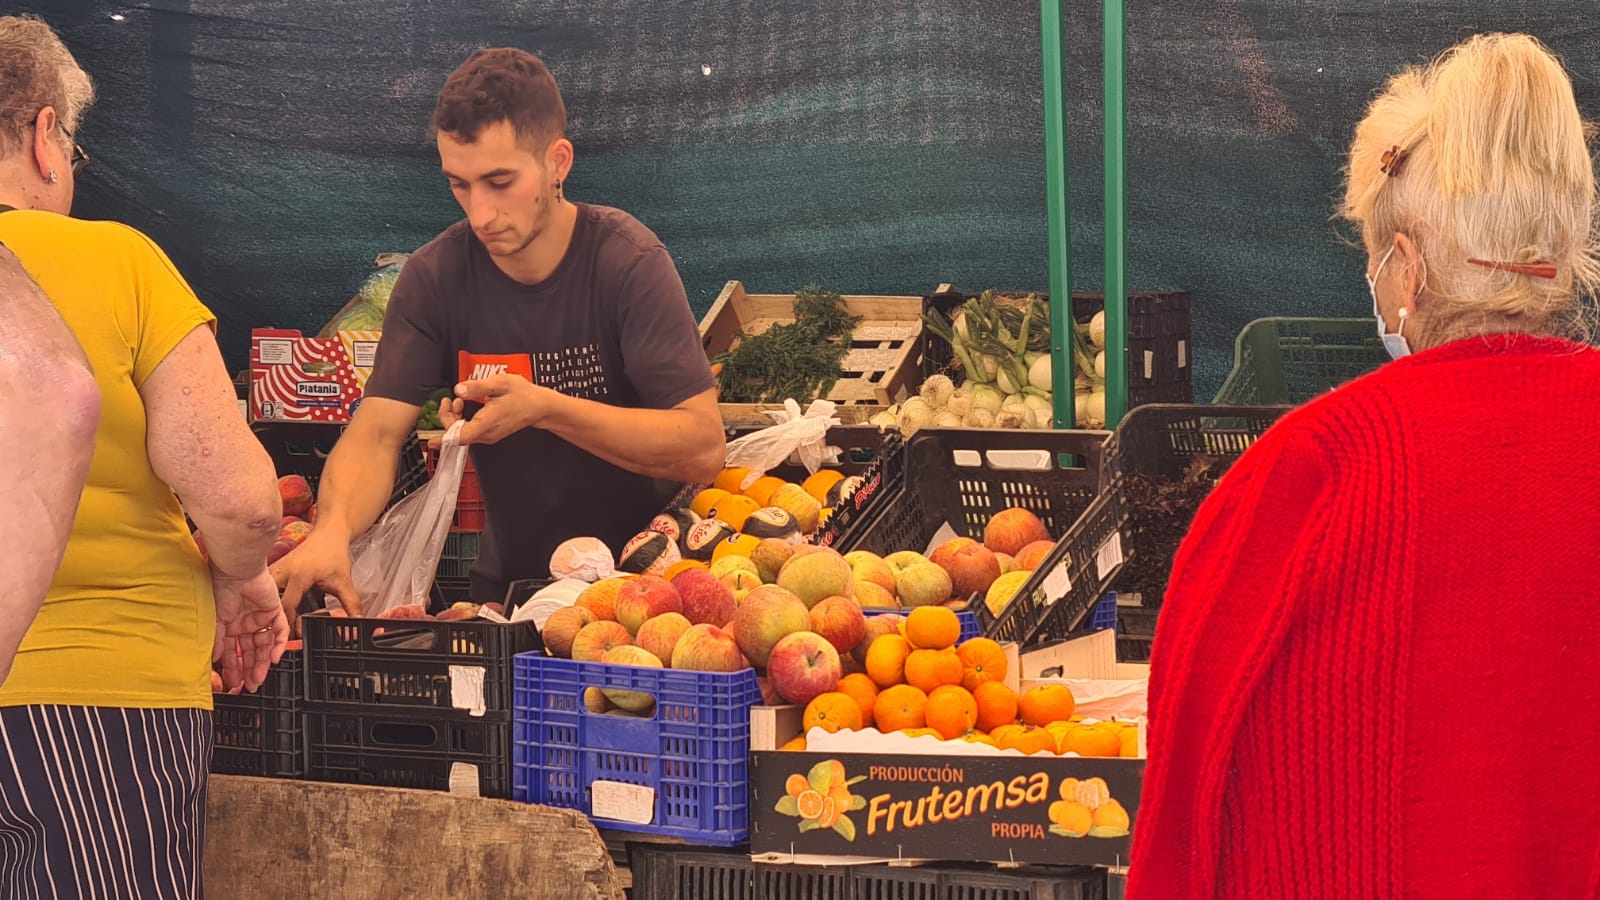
x=252 y=631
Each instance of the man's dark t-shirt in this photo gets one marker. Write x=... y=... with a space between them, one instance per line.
x=611 y=324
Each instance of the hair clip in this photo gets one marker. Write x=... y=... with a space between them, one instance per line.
x=1532 y=270
x=1392 y=159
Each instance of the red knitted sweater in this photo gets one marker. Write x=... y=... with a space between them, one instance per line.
x=1377 y=670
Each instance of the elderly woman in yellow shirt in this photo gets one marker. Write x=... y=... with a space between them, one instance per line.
x=105 y=719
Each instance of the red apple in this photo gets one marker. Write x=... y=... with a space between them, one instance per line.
x=707 y=648
x=766 y=616
x=296 y=531
x=661 y=633
x=972 y=566
x=295 y=492
x=802 y=666
x=562 y=626
x=705 y=600
x=870 y=567
x=595 y=638
x=407 y=611
x=644 y=598
x=925 y=584
x=840 y=622
x=769 y=694
x=1009 y=530
x=1032 y=556
x=456 y=611
x=871 y=596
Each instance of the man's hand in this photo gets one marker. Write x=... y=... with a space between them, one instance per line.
x=323 y=561
x=251 y=629
x=510 y=404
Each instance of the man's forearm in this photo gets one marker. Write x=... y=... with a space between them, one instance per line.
x=671 y=444
x=356 y=483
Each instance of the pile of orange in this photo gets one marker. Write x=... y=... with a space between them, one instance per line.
x=922 y=682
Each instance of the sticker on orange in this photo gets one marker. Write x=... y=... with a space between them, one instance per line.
x=473 y=366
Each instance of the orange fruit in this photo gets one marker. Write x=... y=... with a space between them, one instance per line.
x=981 y=660
x=1028 y=740
x=932 y=628
x=900 y=706
x=886 y=661
x=703 y=502
x=731 y=479
x=821 y=482
x=997 y=705
x=682 y=565
x=798 y=743
x=951 y=711
x=762 y=489
x=858 y=686
x=1130 y=743
x=796 y=785
x=930 y=669
x=734 y=509
x=1093 y=740
x=833 y=711
x=1071 y=816
x=1045 y=704
x=1000 y=732
x=738 y=545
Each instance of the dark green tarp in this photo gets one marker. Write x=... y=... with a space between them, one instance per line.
x=275 y=147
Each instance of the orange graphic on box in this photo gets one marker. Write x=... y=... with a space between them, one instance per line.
x=822 y=799
x=1087 y=810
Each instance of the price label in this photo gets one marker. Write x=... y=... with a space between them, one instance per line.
x=1058 y=582
x=622 y=802
x=1109 y=556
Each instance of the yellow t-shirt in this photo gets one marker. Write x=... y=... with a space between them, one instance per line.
x=129 y=620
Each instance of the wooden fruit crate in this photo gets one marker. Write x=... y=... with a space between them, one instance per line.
x=884 y=362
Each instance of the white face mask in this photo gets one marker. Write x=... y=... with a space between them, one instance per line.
x=1394 y=343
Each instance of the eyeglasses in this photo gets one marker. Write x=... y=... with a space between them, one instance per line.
x=79 y=158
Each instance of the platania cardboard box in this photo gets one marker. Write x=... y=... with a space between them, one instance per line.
x=294 y=378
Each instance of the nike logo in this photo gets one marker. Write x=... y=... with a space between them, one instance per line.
x=485 y=370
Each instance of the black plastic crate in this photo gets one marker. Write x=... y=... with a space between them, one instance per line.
x=263 y=734
x=1165 y=440
x=662 y=872
x=1136 y=633
x=434 y=750
x=1160 y=361
x=406 y=664
x=879 y=479
x=964 y=476
x=302 y=448
x=459 y=553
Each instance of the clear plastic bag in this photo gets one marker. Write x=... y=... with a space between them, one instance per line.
x=393 y=563
x=797 y=434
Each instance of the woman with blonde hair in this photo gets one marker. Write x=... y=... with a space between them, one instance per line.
x=1375 y=664
x=105 y=718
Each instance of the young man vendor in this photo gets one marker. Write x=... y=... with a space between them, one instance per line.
x=566 y=334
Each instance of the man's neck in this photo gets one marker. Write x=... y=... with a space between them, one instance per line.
x=539 y=259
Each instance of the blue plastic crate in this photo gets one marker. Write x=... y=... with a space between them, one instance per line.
x=1104 y=615
x=967 y=618
x=694 y=753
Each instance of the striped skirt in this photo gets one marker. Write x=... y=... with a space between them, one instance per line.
x=102 y=802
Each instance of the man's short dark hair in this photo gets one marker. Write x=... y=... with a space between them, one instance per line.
x=502 y=84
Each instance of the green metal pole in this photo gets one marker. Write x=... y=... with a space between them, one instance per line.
x=1116 y=115
x=1055 y=193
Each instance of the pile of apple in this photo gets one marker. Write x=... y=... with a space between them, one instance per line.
x=299 y=515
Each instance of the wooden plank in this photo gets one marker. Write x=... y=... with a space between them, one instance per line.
x=268 y=839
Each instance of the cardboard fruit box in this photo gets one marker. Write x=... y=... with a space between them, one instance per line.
x=923 y=799
x=882 y=367
x=294 y=378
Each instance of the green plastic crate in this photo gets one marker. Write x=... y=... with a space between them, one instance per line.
x=1289 y=361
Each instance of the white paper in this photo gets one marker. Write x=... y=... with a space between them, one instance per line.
x=622 y=802
x=466 y=689
x=485 y=612
x=275 y=351
x=1149 y=364
x=1058 y=582
x=364 y=353
x=464 y=779
x=1109 y=556
x=945 y=533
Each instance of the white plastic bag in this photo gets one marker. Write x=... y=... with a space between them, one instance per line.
x=392 y=564
x=802 y=435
